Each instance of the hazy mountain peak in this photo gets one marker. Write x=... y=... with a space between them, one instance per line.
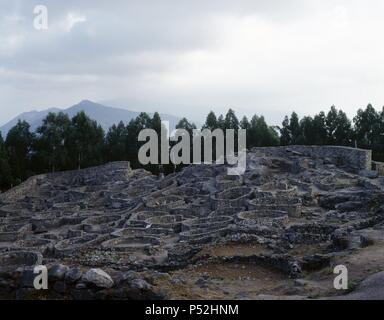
x=104 y=115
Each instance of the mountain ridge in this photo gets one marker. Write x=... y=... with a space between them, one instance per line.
x=106 y=116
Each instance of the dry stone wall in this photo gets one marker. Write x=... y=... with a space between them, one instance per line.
x=353 y=158
x=114 y=233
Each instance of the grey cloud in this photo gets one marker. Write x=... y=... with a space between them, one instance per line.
x=182 y=56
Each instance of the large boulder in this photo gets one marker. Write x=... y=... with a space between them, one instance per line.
x=57 y=272
x=98 y=278
x=372 y=288
x=73 y=275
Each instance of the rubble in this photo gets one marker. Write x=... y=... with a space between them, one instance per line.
x=114 y=233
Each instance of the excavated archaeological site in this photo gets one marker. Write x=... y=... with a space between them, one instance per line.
x=277 y=232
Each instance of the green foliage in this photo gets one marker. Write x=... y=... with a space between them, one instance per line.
x=61 y=143
x=85 y=142
x=332 y=129
x=115 y=143
x=368 y=125
x=244 y=123
x=52 y=142
x=220 y=122
x=319 y=130
x=339 y=129
x=155 y=123
x=186 y=125
x=5 y=169
x=19 y=146
x=260 y=134
x=211 y=122
x=231 y=121
x=291 y=131
x=294 y=128
x=285 y=133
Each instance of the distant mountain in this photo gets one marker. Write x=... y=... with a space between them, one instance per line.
x=104 y=115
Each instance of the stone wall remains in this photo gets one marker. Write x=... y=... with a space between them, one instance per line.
x=353 y=158
x=379 y=167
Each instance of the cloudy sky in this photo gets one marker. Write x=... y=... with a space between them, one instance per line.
x=186 y=57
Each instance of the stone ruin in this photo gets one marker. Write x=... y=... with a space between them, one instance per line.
x=277 y=232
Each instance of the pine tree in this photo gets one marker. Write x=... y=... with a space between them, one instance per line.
x=211 y=122
x=156 y=123
x=319 y=129
x=367 y=127
x=331 y=125
x=294 y=128
x=5 y=169
x=85 y=141
x=51 y=143
x=231 y=121
x=308 y=133
x=244 y=123
x=221 y=123
x=19 y=146
x=343 y=131
x=186 y=125
x=115 y=143
x=285 y=133
x=260 y=134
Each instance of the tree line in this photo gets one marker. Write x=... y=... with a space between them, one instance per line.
x=63 y=143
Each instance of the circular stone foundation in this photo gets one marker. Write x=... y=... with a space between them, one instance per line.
x=100 y=223
x=216 y=222
x=203 y=235
x=165 y=203
x=34 y=243
x=71 y=245
x=234 y=197
x=182 y=192
x=131 y=243
x=280 y=189
x=227 y=182
x=165 y=221
x=262 y=218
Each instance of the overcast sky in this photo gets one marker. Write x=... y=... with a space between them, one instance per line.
x=186 y=57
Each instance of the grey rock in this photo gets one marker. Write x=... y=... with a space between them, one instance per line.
x=73 y=275
x=140 y=284
x=348 y=206
x=202 y=283
x=123 y=277
x=160 y=275
x=372 y=288
x=130 y=275
x=177 y=281
x=98 y=278
x=370 y=174
x=57 y=272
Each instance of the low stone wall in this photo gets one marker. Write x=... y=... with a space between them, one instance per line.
x=353 y=158
x=379 y=167
x=356 y=159
x=21 y=190
x=113 y=171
